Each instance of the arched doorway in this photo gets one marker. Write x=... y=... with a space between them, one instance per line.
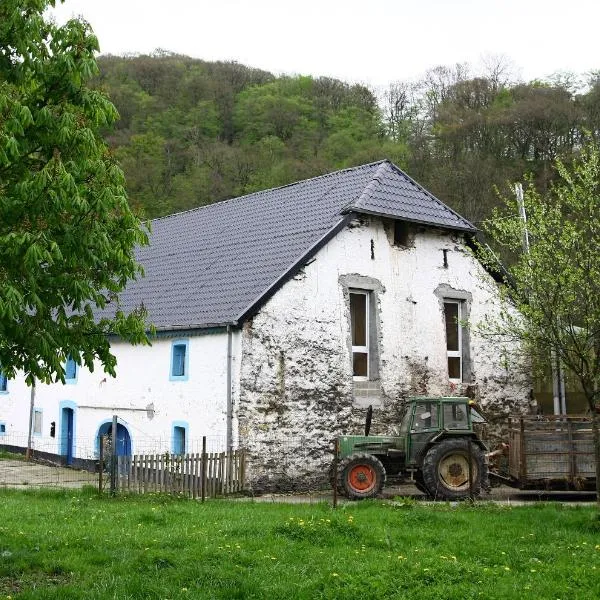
x=123 y=445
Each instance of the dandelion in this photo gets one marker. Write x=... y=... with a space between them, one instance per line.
x=507 y=568
x=334 y=575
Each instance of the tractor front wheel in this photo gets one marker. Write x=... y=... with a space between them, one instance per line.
x=446 y=469
x=361 y=476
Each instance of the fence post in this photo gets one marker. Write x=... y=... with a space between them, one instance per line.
x=334 y=474
x=113 y=457
x=203 y=482
x=101 y=465
x=470 y=459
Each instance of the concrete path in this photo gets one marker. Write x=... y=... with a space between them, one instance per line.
x=23 y=474
x=502 y=495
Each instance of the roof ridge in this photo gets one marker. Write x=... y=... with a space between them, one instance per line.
x=370 y=187
x=279 y=187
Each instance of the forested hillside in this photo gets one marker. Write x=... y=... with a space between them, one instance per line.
x=194 y=132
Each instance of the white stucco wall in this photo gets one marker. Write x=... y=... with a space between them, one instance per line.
x=142 y=382
x=296 y=378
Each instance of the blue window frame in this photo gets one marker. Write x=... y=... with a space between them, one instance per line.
x=179 y=360
x=179 y=437
x=70 y=370
x=3 y=383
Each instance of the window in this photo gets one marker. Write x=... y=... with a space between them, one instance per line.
x=401 y=233
x=37 y=422
x=179 y=439
x=359 y=323
x=70 y=370
x=455 y=417
x=3 y=383
x=426 y=416
x=2 y=428
x=179 y=360
x=453 y=315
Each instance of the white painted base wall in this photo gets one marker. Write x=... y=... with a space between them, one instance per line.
x=146 y=402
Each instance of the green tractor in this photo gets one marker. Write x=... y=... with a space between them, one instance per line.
x=435 y=447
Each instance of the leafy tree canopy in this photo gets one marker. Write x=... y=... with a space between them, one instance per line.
x=67 y=233
x=554 y=281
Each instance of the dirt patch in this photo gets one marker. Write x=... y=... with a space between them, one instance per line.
x=22 y=474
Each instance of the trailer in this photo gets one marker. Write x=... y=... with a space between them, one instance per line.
x=547 y=452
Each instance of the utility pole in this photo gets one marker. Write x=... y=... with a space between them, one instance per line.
x=558 y=378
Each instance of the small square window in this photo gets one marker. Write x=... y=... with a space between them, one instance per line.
x=401 y=233
x=179 y=441
x=179 y=360
x=70 y=370
x=2 y=428
x=37 y=422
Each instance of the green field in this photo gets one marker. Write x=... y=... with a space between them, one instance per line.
x=76 y=545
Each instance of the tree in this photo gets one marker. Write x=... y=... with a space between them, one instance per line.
x=67 y=234
x=555 y=285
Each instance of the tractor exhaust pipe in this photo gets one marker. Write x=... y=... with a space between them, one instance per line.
x=368 y=420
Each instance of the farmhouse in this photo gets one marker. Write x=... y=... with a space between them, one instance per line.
x=279 y=317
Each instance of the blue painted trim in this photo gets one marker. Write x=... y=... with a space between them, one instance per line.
x=41 y=412
x=3 y=383
x=186 y=366
x=186 y=427
x=2 y=428
x=71 y=380
x=62 y=446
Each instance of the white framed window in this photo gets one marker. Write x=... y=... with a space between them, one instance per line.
x=359 y=325
x=37 y=421
x=454 y=335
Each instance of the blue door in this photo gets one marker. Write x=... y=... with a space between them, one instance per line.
x=66 y=434
x=123 y=445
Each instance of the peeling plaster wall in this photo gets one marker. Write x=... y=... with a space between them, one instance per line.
x=296 y=387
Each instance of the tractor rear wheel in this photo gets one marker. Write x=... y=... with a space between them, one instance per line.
x=361 y=476
x=446 y=469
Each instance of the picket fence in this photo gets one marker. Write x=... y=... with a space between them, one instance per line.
x=197 y=475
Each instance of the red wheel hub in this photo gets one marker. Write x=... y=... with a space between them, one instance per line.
x=362 y=478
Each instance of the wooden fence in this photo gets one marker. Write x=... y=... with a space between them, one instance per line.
x=195 y=475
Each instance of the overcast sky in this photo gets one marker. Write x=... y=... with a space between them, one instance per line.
x=373 y=42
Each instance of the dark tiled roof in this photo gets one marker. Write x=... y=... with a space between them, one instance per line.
x=211 y=265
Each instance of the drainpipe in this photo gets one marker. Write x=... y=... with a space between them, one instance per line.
x=229 y=398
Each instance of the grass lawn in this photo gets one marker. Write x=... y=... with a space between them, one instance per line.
x=76 y=545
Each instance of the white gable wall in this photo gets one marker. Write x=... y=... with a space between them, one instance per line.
x=296 y=378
